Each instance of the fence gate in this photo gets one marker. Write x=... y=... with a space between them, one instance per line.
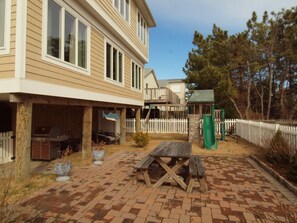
x=6 y=147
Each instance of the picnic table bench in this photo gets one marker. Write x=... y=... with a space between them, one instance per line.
x=141 y=168
x=196 y=171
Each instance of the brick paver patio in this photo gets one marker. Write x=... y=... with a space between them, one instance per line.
x=106 y=193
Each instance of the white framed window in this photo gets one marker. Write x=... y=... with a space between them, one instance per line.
x=114 y=63
x=66 y=37
x=141 y=28
x=5 y=14
x=136 y=76
x=123 y=7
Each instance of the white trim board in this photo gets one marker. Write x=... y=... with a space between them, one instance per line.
x=21 y=33
x=41 y=88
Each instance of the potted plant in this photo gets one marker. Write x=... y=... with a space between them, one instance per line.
x=63 y=165
x=98 y=153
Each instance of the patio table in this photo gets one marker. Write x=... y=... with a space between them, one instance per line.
x=180 y=152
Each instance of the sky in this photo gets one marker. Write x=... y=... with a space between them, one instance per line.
x=177 y=20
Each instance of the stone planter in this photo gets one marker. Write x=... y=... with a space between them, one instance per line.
x=62 y=169
x=98 y=156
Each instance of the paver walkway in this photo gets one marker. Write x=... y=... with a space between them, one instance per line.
x=106 y=194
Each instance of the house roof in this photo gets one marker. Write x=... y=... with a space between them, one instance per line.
x=146 y=13
x=202 y=96
x=165 y=82
x=148 y=71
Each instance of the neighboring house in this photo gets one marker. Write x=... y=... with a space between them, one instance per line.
x=150 y=79
x=61 y=61
x=167 y=97
x=177 y=86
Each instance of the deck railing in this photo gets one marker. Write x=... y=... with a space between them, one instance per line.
x=160 y=95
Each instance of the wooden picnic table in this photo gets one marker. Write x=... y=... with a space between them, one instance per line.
x=180 y=152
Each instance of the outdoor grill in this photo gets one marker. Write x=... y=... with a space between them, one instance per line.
x=46 y=143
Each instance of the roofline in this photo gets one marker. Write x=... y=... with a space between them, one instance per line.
x=146 y=12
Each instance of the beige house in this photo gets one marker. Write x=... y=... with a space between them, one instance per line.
x=63 y=60
x=150 y=79
x=167 y=97
x=177 y=86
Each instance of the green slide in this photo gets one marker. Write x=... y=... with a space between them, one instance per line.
x=209 y=132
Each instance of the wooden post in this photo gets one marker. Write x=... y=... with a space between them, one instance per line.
x=87 y=132
x=123 y=126
x=138 y=129
x=23 y=140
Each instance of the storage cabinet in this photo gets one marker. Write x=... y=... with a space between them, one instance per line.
x=45 y=150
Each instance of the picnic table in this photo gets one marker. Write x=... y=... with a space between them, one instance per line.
x=179 y=152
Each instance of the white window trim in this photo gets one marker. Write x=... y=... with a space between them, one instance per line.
x=119 y=10
x=122 y=84
x=60 y=61
x=145 y=40
x=7 y=24
x=141 y=77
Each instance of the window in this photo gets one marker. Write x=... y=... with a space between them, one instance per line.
x=67 y=42
x=136 y=76
x=5 y=8
x=123 y=7
x=114 y=64
x=2 y=22
x=141 y=28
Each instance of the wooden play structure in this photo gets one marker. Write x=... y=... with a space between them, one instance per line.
x=203 y=118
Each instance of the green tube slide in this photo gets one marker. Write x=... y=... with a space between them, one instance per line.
x=209 y=132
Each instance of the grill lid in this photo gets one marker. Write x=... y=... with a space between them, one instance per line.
x=45 y=131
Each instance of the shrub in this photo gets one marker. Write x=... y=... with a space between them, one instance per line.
x=277 y=149
x=141 y=139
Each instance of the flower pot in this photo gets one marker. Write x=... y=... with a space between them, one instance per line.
x=98 y=156
x=62 y=169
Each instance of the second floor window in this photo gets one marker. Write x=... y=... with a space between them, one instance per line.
x=5 y=13
x=2 y=22
x=123 y=7
x=114 y=64
x=141 y=28
x=136 y=76
x=68 y=41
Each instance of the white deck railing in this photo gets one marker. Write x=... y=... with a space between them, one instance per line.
x=6 y=147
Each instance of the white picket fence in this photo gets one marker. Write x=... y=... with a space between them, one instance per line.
x=259 y=132
x=6 y=147
x=179 y=126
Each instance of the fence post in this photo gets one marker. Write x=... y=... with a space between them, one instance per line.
x=260 y=132
x=276 y=127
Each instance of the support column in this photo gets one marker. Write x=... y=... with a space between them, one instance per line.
x=23 y=140
x=87 y=132
x=138 y=129
x=123 y=125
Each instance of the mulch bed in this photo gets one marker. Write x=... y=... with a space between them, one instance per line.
x=280 y=172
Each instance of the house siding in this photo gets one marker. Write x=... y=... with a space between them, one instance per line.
x=7 y=61
x=38 y=69
x=130 y=29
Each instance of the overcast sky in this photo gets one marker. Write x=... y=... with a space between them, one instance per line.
x=171 y=40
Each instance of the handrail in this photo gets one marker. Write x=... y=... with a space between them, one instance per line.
x=164 y=95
